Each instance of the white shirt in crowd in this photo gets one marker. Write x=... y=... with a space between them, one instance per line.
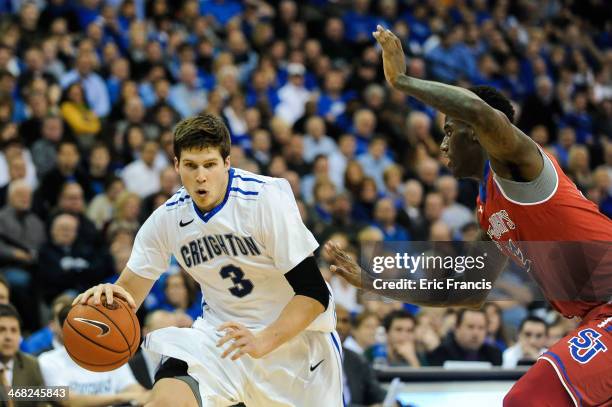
x=513 y=355
x=58 y=369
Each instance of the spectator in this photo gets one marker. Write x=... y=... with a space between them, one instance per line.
x=94 y=89
x=364 y=124
x=333 y=102
x=363 y=207
x=17 y=368
x=392 y=177
x=66 y=264
x=67 y=168
x=17 y=171
x=375 y=161
x=361 y=387
x=385 y=217
x=134 y=114
x=532 y=338
x=100 y=210
x=13 y=148
x=454 y=214
x=541 y=108
x=44 y=150
x=22 y=234
x=339 y=158
x=181 y=295
x=89 y=388
x=125 y=215
x=99 y=167
x=71 y=201
x=82 y=121
x=362 y=334
x=450 y=60
x=5 y=291
x=496 y=332
x=169 y=183
x=410 y=216
x=188 y=97
x=141 y=176
x=316 y=141
x=467 y=342
x=293 y=96
x=401 y=341
x=578 y=167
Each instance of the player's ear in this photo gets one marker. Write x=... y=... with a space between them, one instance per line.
x=176 y=164
x=227 y=163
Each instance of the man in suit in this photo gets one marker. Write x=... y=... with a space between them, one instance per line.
x=17 y=369
x=361 y=388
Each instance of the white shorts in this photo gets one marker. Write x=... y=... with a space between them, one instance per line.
x=306 y=371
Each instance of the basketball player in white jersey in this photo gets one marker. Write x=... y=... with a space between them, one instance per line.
x=267 y=335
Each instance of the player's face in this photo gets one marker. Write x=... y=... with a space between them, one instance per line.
x=9 y=337
x=204 y=174
x=465 y=156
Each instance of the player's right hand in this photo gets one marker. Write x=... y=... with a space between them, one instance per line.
x=344 y=265
x=94 y=294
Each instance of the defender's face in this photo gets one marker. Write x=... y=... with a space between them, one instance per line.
x=204 y=174
x=465 y=155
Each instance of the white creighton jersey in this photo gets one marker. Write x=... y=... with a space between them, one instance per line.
x=238 y=252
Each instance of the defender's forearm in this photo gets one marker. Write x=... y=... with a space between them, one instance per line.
x=450 y=100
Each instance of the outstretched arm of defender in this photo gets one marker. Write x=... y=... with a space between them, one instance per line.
x=348 y=268
x=130 y=286
x=494 y=130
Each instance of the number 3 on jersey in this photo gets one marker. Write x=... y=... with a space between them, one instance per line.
x=242 y=286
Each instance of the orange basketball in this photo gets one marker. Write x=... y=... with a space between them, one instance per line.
x=101 y=337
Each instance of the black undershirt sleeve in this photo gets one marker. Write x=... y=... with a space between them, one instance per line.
x=306 y=279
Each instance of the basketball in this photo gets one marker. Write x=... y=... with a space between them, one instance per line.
x=101 y=338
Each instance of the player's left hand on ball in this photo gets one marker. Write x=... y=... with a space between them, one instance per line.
x=244 y=341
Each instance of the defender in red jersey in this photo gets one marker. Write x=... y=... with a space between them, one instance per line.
x=524 y=198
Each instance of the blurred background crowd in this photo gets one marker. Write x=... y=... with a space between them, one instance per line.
x=91 y=89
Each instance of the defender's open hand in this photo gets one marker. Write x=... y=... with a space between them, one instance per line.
x=394 y=63
x=344 y=265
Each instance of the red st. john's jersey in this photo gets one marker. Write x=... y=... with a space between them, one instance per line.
x=575 y=276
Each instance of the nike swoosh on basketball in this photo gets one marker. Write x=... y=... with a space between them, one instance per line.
x=312 y=368
x=104 y=329
x=183 y=224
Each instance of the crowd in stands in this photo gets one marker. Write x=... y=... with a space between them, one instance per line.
x=90 y=91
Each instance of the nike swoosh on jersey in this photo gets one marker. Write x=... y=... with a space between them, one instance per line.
x=104 y=329
x=183 y=224
x=312 y=368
